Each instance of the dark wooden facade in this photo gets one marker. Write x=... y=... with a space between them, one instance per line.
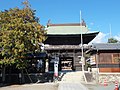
x=64 y=40
x=67 y=54
x=109 y=61
x=69 y=39
x=106 y=57
x=11 y=75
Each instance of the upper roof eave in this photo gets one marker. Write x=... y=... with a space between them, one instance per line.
x=89 y=32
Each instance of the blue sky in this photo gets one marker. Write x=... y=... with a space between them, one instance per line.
x=98 y=14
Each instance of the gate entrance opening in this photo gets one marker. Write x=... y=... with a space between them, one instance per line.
x=66 y=63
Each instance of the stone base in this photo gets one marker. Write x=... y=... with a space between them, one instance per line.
x=109 y=78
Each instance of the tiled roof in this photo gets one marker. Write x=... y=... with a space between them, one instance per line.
x=67 y=29
x=68 y=47
x=68 y=24
x=106 y=46
x=58 y=47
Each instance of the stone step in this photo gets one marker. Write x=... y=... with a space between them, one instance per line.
x=73 y=77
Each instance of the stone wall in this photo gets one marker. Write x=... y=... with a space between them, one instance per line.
x=101 y=78
x=109 y=77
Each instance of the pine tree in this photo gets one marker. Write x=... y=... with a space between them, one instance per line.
x=112 y=40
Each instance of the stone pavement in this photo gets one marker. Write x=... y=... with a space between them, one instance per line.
x=45 y=86
x=72 y=81
x=73 y=77
x=71 y=86
x=100 y=87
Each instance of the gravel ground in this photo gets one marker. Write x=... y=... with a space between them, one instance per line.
x=45 y=86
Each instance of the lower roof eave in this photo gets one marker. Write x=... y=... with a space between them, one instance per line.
x=64 y=47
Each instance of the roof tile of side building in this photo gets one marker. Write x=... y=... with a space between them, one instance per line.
x=106 y=46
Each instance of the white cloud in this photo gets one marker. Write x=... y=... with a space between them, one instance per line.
x=117 y=37
x=100 y=38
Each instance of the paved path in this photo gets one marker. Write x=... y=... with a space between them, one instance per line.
x=71 y=86
x=46 y=86
x=100 y=87
x=72 y=81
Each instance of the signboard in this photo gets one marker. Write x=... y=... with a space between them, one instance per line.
x=92 y=60
x=55 y=59
x=56 y=68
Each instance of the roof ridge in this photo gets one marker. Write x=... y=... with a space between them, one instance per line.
x=65 y=24
x=105 y=43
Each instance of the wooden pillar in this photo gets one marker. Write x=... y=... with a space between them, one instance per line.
x=97 y=66
x=74 y=59
x=97 y=62
x=22 y=76
x=3 y=73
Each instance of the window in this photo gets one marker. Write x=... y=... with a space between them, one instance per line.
x=116 y=58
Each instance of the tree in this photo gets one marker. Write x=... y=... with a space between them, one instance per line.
x=112 y=40
x=20 y=34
